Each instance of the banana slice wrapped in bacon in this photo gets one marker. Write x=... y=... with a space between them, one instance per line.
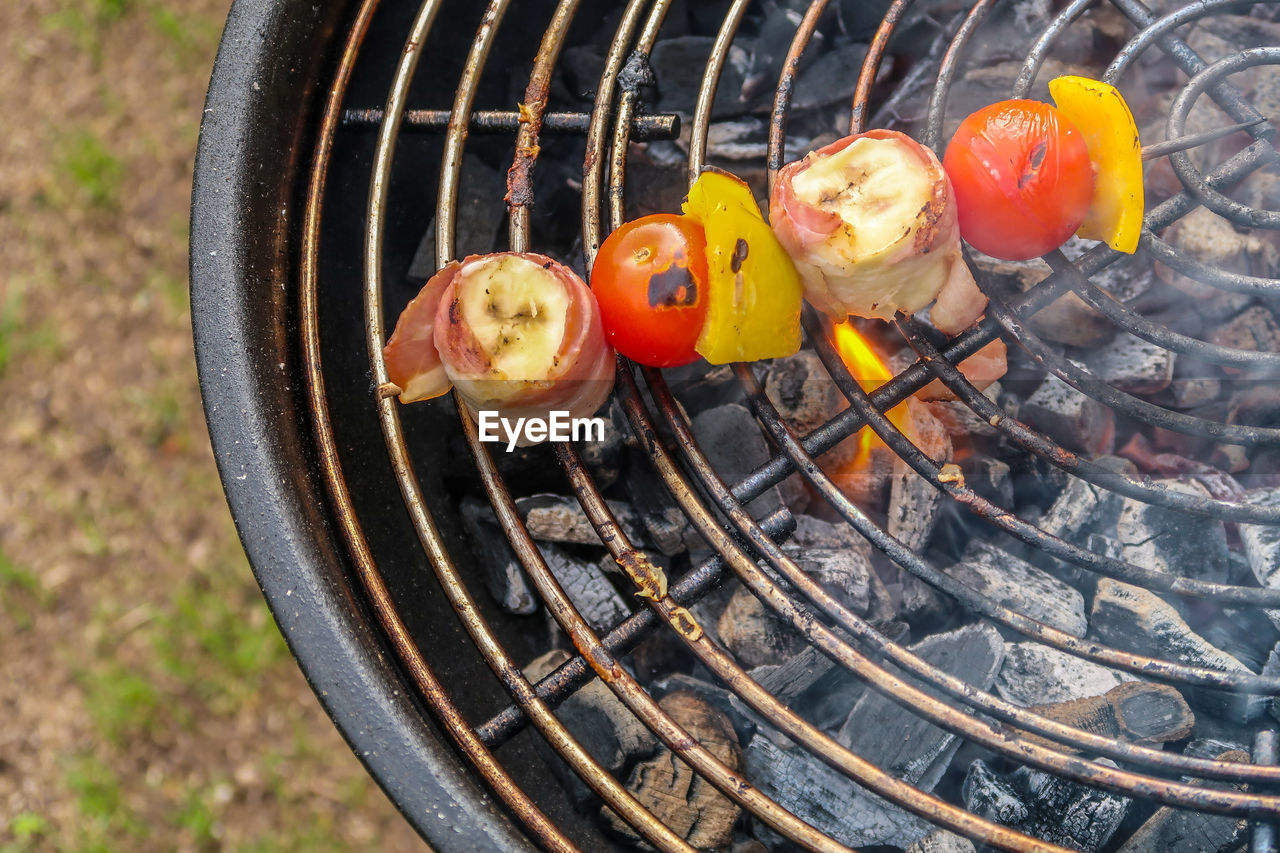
x=870 y=222
x=514 y=332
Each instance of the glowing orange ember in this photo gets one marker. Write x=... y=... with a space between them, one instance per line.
x=871 y=373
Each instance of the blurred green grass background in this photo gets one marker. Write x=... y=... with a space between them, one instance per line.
x=147 y=701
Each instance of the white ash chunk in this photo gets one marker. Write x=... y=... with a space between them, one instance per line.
x=846 y=573
x=1033 y=674
x=556 y=518
x=1130 y=364
x=914 y=502
x=824 y=797
x=813 y=532
x=1074 y=420
x=1137 y=620
x=1172 y=542
x=1020 y=586
x=942 y=842
x=1262 y=545
x=1082 y=508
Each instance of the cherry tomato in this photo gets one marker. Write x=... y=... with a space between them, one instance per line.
x=650 y=280
x=1022 y=178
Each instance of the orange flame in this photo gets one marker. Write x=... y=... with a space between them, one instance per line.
x=871 y=373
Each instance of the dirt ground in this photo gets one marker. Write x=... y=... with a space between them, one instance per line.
x=147 y=702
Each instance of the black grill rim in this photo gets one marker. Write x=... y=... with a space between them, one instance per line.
x=258 y=424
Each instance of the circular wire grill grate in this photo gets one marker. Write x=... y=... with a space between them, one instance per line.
x=848 y=639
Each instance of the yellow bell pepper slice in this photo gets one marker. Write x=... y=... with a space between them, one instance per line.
x=754 y=292
x=1100 y=112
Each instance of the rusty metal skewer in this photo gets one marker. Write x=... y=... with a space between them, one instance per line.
x=1262 y=834
x=1183 y=143
x=643 y=127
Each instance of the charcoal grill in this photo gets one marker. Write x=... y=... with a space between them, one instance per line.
x=313 y=183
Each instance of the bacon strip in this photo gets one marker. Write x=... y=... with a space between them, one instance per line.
x=434 y=345
x=843 y=275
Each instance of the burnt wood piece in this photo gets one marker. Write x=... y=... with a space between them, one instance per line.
x=1134 y=711
x=605 y=458
x=913 y=500
x=1020 y=586
x=1272 y=667
x=754 y=634
x=879 y=730
x=557 y=518
x=1132 y=365
x=867 y=483
x=806 y=397
x=1194 y=383
x=1245 y=634
x=885 y=734
x=501 y=571
x=1132 y=618
x=959 y=420
x=1048 y=807
x=1077 y=422
x=735 y=446
x=1033 y=674
x=663 y=520
x=676 y=795
x=1216 y=243
x=843 y=572
x=1173 y=542
x=477 y=220
x=744 y=720
x=788 y=680
x=1180 y=831
x=607 y=730
x=989 y=477
x=1253 y=329
x=588 y=588
x=815 y=533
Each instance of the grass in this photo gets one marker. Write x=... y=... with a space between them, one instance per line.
x=124 y=704
x=217 y=638
x=19 y=590
x=198 y=818
x=18 y=336
x=104 y=819
x=94 y=171
x=176 y=719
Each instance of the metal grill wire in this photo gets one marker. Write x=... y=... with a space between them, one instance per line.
x=799 y=600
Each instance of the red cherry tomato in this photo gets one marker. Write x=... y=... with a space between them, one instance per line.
x=1022 y=178
x=650 y=280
